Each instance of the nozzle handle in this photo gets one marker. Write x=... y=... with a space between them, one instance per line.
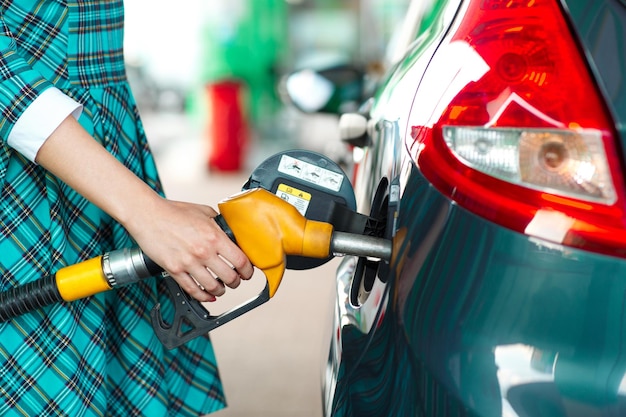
x=190 y=318
x=267 y=229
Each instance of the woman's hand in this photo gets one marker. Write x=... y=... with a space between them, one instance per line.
x=182 y=238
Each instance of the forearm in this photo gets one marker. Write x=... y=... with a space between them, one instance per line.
x=78 y=160
x=181 y=237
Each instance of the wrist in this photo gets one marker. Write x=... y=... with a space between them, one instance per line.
x=134 y=213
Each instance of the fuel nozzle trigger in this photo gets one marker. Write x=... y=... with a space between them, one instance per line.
x=191 y=319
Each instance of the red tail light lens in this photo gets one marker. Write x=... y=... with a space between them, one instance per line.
x=509 y=123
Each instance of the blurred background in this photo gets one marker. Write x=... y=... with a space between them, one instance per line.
x=183 y=60
x=208 y=76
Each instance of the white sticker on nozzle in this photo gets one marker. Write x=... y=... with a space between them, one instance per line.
x=297 y=198
x=310 y=173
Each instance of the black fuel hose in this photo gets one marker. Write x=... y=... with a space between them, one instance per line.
x=28 y=297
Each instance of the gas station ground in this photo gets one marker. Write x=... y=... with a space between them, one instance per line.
x=270 y=359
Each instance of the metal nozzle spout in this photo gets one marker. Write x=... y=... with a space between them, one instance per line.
x=360 y=245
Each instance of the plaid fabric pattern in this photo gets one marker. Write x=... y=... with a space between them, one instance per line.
x=98 y=356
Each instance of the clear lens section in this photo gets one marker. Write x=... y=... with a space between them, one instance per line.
x=570 y=163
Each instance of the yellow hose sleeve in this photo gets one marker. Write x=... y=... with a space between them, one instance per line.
x=82 y=280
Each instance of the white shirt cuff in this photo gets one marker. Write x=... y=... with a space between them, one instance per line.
x=40 y=119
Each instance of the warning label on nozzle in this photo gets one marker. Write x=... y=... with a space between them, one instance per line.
x=297 y=198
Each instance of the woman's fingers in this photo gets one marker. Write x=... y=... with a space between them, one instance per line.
x=211 y=277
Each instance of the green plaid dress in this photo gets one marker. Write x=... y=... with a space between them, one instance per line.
x=97 y=356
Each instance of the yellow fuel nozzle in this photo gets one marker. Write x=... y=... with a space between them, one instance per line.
x=267 y=229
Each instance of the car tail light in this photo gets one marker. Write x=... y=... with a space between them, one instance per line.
x=516 y=130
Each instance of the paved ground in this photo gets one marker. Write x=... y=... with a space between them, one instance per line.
x=271 y=358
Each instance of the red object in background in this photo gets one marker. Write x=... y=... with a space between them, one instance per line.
x=228 y=130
